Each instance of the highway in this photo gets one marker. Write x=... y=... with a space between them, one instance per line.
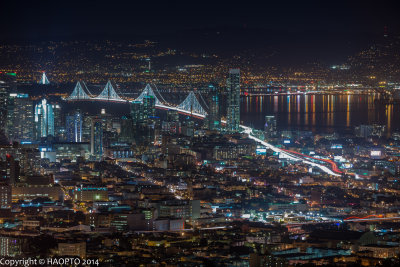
x=374 y=218
x=295 y=156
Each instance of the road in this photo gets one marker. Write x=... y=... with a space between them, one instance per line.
x=295 y=156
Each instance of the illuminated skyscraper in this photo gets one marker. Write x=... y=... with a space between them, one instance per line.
x=3 y=107
x=142 y=112
x=86 y=128
x=44 y=119
x=20 y=118
x=214 y=115
x=233 y=113
x=74 y=127
x=59 y=121
x=137 y=112
x=96 y=140
x=149 y=107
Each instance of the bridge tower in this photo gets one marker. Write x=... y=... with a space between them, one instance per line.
x=79 y=92
x=109 y=93
x=44 y=79
x=192 y=105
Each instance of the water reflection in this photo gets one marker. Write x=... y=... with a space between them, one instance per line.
x=319 y=113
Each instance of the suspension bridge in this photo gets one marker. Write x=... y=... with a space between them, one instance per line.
x=190 y=106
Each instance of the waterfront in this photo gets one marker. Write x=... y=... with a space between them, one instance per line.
x=320 y=113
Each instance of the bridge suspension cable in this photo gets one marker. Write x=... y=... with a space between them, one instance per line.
x=79 y=92
x=191 y=104
x=109 y=93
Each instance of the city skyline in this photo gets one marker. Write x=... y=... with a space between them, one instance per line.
x=200 y=134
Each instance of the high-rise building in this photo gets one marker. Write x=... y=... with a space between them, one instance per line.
x=137 y=112
x=59 y=122
x=126 y=129
x=214 y=115
x=86 y=128
x=149 y=107
x=9 y=170
x=233 y=112
x=9 y=175
x=96 y=140
x=142 y=112
x=3 y=107
x=20 y=118
x=74 y=127
x=270 y=126
x=44 y=119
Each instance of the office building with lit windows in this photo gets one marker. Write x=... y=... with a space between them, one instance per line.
x=214 y=115
x=136 y=112
x=59 y=122
x=73 y=127
x=90 y=194
x=20 y=118
x=44 y=119
x=149 y=107
x=96 y=140
x=3 y=107
x=233 y=112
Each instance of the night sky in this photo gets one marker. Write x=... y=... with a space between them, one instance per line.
x=69 y=19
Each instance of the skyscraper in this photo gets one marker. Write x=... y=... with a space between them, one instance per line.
x=96 y=140
x=20 y=118
x=137 y=112
x=149 y=107
x=9 y=175
x=233 y=112
x=86 y=128
x=3 y=107
x=142 y=112
x=44 y=119
x=59 y=122
x=74 y=127
x=214 y=115
x=127 y=131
